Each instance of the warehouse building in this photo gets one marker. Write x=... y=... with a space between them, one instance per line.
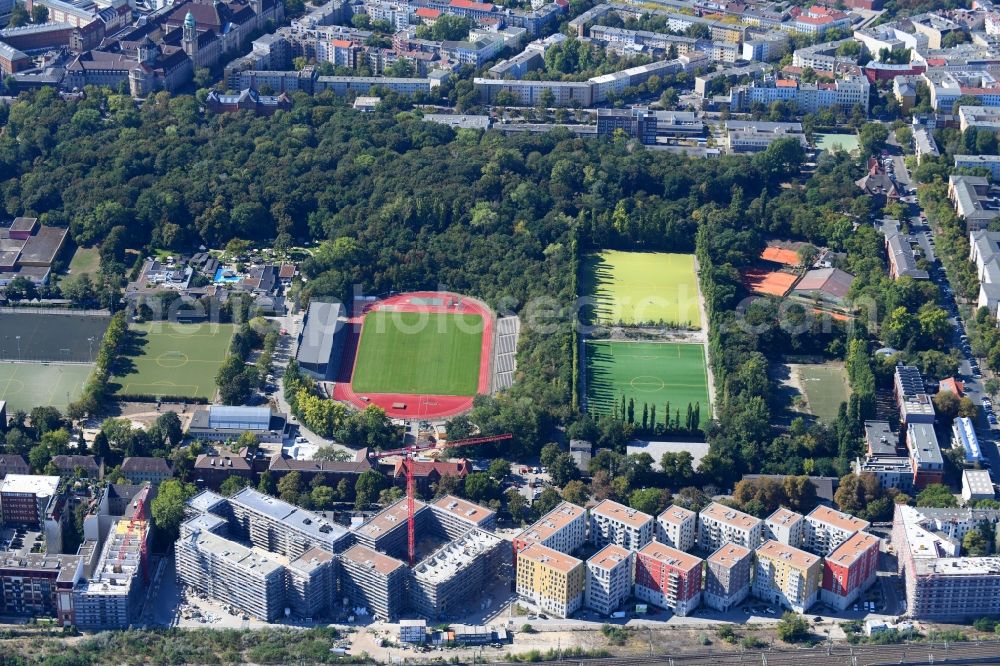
x=445 y=581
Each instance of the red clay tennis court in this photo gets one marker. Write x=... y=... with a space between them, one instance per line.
x=768 y=283
x=780 y=255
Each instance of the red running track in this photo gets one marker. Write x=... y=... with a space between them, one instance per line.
x=417 y=406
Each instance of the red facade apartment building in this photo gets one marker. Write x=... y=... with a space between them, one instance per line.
x=668 y=578
x=850 y=570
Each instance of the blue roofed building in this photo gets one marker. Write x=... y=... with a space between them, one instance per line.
x=222 y=423
x=963 y=436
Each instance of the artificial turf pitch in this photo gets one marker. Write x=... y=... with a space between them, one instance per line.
x=647 y=372
x=175 y=359
x=27 y=385
x=642 y=288
x=419 y=353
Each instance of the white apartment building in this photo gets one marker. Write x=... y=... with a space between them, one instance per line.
x=609 y=579
x=564 y=529
x=677 y=527
x=843 y=94
x=785 y=526
x=719 y=524
x=611 y=522
x=827 y=528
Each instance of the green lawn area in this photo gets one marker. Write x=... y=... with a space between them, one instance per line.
x=415 y=352
x=174 y=359
x=641 y=287
x=27 y=385
x=825 y=387
x=647 y=372
x=85 y=260
x=848 y=142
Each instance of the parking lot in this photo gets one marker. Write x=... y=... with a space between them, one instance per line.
x=21 y=540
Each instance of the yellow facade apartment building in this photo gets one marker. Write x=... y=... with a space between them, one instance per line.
x=551 y=580
x=787 y=576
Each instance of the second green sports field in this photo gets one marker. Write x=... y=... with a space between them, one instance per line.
x=642 y=288
x=419 y=353
x=174 y=359
x=655 y=373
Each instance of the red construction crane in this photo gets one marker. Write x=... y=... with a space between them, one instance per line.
x=407 y=454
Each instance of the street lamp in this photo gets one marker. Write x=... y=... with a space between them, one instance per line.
x=90 y=341
x=18 y=338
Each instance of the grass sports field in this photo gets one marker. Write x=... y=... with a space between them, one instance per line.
x=642 y=287
x=420 y=353
x=847 y=142
x=85 y=260
x=27 y=385
x=825 y=387
x=175 y=359
x=650 y=372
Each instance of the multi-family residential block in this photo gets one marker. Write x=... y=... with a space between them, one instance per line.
x=787 y=576
x=677 y=527
x=915 y=404
x=850 y=570
x=373 y=580
x=564 y=529
x=977 y=485
x=551 y=580
x=925 y=454
x=611 y=522
x=827 y=528
x=609 y=579
x=785 y=526
x=25 y=497
x=941 y=584
x=727 y=576
x=668 y=578
x=719 y=524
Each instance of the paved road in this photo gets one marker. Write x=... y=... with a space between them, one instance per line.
x=285 y=352
x=974 y=388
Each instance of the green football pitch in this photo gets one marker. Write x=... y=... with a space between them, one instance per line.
x=27 y=385
x=641 y=288
x=417 y=352
x=647 y=372
x=175 y=359
x=826 y=387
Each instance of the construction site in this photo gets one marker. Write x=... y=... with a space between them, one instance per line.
x=266 y=557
